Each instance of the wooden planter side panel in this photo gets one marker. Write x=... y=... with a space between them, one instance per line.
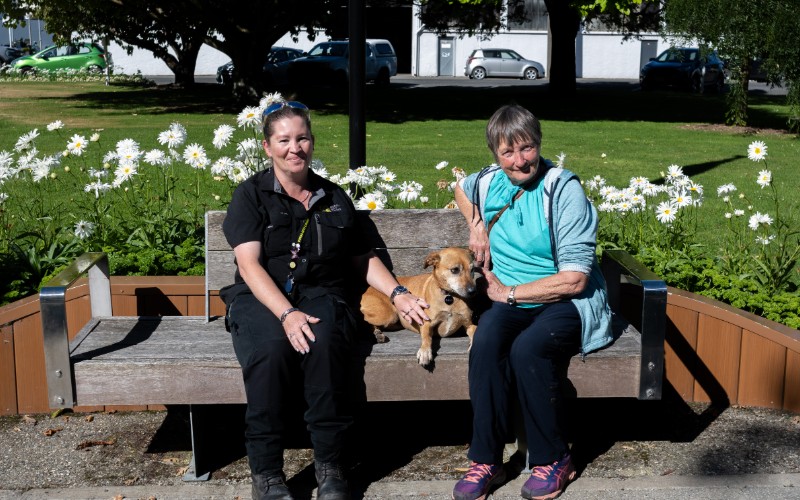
x=719 y=345
x=8 y=375
x=762 y=373
x=681 y=363
x=791 y=396
x=713 y=351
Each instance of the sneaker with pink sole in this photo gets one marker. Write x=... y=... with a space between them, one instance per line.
x=549 y=481
x=478 y=482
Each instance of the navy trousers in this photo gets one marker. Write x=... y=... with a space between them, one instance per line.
x=275 y=376
x=522 y=353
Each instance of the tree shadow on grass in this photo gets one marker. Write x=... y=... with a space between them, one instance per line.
x=403 y=102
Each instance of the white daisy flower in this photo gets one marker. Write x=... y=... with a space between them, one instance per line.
x=222 y=136
x=666 y=212
x=94 y=137
x=156 y=157
x=409 y=191
x=39 y=170
x=270 y=99
x=249 y=117
x=173 y=137
x=728 y=215
x=222 y=166
x=765 y=240
x=639 y=182
x=764 y=178
x=674 y=172
x=319 y=169
x=3 y=198
x=682 y=200
x=195 y=155
x=83 y=229
x=124 y=173
x=725 y=189
x=76 y=145
x=26 y=140
x=758 y=219
x=247 y=147
x=97 y=187
x=738 y=212
x=371 y=201
x=757 y=151
x=560 y=158
x=56 y=125
x=441 y=165
x=605 y=207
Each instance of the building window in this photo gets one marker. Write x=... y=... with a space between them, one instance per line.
x=534 y=16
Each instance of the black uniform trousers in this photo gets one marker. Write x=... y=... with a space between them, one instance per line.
x=523 y=353
x=275 y=374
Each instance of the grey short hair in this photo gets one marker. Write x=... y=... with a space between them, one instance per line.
x=510 y=124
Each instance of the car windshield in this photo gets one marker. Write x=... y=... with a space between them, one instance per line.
x=329 y=49
x=677 y=56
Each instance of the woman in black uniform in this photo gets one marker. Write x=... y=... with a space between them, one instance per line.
x=297 y=243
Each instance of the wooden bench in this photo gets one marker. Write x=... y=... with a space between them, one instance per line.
x=189 y=360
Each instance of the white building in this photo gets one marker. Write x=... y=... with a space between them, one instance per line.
x=599 y=54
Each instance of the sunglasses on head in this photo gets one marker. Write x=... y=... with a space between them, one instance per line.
x=275 y=106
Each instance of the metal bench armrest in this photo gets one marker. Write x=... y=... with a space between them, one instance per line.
x=617 y=264
x=52 y=300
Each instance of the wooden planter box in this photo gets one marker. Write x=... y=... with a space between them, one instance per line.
x=713 y=351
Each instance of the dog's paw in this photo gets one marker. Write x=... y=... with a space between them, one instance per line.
x=380 y=338
x=425 y=356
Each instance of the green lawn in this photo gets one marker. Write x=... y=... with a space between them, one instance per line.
x=610 y=132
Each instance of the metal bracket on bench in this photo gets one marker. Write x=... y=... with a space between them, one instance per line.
x=618 y=263
x=53 y=307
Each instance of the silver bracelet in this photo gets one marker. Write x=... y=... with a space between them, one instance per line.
x=288 y=312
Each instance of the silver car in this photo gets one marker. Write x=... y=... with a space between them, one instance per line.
x=501 y=62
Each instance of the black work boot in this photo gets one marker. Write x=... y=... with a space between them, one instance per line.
x=331 y=484
x=266 y=487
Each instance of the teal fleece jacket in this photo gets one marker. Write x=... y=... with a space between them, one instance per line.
x=573 y=235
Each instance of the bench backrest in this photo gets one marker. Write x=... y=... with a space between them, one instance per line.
x=402 y=238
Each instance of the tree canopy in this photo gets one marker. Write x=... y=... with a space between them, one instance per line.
x=174 y=30
x=764 y=30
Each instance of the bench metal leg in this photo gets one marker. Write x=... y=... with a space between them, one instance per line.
x=195 y=429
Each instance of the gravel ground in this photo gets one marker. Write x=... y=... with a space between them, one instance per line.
x=402 y=442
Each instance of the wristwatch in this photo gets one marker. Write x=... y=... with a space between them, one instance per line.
x=511 y=300
x=398 y=290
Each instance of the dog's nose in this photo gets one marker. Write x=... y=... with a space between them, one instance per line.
x=471 y=290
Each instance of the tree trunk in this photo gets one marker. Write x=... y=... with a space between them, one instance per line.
x=248 y=78
x=564 y=25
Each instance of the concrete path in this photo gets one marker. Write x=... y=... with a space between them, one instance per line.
x=738 y=487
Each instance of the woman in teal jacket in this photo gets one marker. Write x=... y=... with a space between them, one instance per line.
x=534 y=232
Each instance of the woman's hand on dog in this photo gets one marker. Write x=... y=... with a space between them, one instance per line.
x=297 y=326
x=479 y=244
x=411 y=308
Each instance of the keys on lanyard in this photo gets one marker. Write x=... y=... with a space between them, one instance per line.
x=294 y=256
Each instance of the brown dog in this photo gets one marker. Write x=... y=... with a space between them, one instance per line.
x=445 y=289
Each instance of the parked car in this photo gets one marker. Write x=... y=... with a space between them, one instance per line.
x=8 y=54
x=501 y=63
x=690 y=68
x=81 y=56
x=274 y=70
x=328 y=63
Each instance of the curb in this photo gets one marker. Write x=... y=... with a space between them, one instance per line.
x=763 y=486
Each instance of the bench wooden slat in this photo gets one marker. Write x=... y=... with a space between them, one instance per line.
x=186 y=360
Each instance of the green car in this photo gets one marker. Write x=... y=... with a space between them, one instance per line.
x=82 y=56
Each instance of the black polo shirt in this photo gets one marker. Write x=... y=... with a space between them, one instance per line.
x=329 y=234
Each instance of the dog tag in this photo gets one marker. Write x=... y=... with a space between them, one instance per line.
x=448 y=299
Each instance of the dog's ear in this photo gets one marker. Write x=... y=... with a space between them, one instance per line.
x=432 y=259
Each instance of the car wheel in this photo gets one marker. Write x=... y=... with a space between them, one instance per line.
x=531 y=74
x=697 y=84
x=26 y=70
x=478 y=73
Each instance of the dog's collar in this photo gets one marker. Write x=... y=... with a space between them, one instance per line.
x=448 y=299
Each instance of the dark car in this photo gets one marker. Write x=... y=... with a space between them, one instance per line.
x=8 y=54
x=328 y=63
x=274 y=69
x=689 y=68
